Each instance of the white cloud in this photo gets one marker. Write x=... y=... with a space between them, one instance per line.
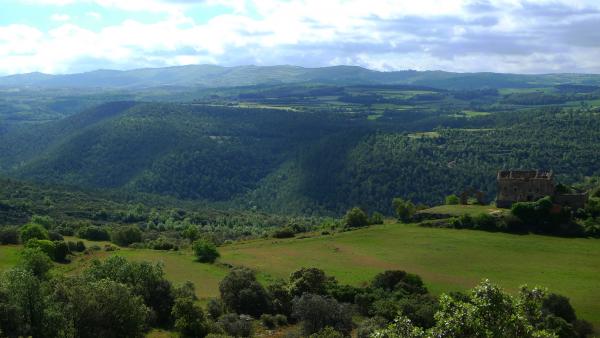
x=474 y=35
x=60 y=17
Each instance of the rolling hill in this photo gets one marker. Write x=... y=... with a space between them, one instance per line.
x=217 y=76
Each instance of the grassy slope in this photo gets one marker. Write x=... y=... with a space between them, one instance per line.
x=457 y=210
x=447 y=259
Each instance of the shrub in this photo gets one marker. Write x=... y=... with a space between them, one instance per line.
x=46 y=221
x=376 y=218
x=235 y=325
x=309 y=280
x=404 y=209
x=206 y=252
x=316 y=312
x=61 y=250
x=9 y=235
x=94 y=233
x=215 y=308
x=78 y=246
x=452 y=200
x=242 y=293
x=47 y=246
x=368 y=326
x=268 y=321
x=355 y=218
x=125 y=236
x=35 y=260
x=33 y=231
x=189 y=318
x=281 y=319
x=285 y=232
x=327 y=332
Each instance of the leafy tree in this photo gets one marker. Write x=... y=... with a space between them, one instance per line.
x=46 y=246
x=103 y=308
x=9 y=235
x=397 y=280
x=356 y=217
x=309 y=280
x=243 y=294
x=376 y=218
x=125 y=236
x=33 y=231
x=94 y=233
x=145 y=279
x=559 y=306
x=236 y=325
x=404 y=209
x=452 y=199
x=316 y=312
x=35 y=260
x=189 y=318
x=205 y=251
x=281 y=298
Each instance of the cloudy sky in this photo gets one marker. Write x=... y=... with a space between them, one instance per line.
x=535 y=36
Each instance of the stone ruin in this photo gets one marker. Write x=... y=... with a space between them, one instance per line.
x=531 y=185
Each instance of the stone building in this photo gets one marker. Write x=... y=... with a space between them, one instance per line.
x=531 y=185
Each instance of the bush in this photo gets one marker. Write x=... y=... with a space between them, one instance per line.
x=236 y=326
x=33 y=231
x=376 y=218
x=356 y=218
x=206 y=252
x=55 y=236
x=35 y=260
x=317 y=312
x=242 y=293
x=9 y=235
x=215 y=308
x=47 y=246
x=281 y=320
x=404 y=209
x=189 y=318
x=61 y=250
x=327 y=332
x=285 y=232
x=268 y=321
x=452 y=200
x=78 y=246
x=309 y=280
x=94 y=233
x=368 y=326
x=125 y=236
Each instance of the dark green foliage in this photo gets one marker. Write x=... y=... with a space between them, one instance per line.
x=94 y=233
x=61 y=250
x=327 y=332
x=268 y=321
x=368 y=326
x=9 y=235
x=404 y=209
x=309 y=280
x=376 y=218
x=33 y=231
x=236 y=325
x=55 y=236
x=36 y=261
x=394 y=280
x=243 y=294
x=281 y=298
x=285 y=232
x=356 y=218
x=126 y=235
x=215 y=308
x=103 y=308
x=205 y=251
x=189 y=318
x=145 y=280
x=78 y=246
x=47 y=246
x=315 y=312
x=452 y=199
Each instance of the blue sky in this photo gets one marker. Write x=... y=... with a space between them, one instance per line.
x=533 y=36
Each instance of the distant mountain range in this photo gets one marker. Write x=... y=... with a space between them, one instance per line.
x=212 y=76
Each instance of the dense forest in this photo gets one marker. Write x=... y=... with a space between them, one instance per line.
x=310 y=149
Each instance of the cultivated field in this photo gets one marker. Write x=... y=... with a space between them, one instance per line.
x=447 y=259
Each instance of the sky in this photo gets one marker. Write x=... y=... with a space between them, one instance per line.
x=510 y=36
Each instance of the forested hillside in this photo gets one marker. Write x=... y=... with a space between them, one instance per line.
x=300 y=162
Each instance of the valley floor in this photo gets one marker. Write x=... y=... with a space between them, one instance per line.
x=446 y=259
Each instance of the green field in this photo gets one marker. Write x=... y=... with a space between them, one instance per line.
x=457 y=210
x=447 y=259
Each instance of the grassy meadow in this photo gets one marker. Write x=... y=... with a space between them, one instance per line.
x=446 y=259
